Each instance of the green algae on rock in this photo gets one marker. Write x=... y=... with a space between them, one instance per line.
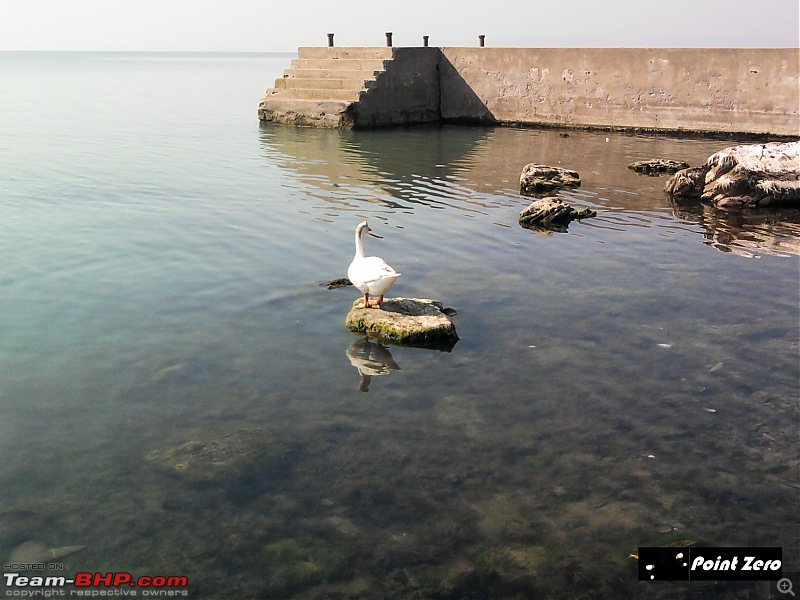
x=406 y=321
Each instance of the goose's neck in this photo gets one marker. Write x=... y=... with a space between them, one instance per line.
x=359 y=245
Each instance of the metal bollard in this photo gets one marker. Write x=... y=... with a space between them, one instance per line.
x=481 y=39
x=330 y=40
x=389 y=38
x=425 y=40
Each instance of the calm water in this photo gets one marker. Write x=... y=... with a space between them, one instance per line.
x=176 y=392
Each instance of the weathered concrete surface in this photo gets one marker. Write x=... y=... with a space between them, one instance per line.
x=406 y=92
x=356 y=87
x=407 y=321
x=676 y=89
x=321 y=86
x=731 y=90
x=745 y=176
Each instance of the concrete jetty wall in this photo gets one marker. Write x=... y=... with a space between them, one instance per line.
x=713 y=90
x=689 y=89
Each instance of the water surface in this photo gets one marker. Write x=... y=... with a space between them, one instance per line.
x=630 y=382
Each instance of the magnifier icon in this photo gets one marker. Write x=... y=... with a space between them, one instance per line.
x=785 y=586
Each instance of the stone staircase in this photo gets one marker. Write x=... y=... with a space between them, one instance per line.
x=322 y=86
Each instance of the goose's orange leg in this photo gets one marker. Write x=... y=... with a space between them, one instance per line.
x=366 y=300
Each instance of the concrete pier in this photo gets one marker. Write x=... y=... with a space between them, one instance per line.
x=697 y=90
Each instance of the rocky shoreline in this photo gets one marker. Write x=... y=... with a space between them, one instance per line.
x=745 y=176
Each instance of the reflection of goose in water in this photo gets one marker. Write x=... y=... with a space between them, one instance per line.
x=370 y=358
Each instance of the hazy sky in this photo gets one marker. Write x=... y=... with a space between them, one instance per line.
x=268 y=25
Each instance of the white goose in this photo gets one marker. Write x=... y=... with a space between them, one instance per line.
x=370 y=274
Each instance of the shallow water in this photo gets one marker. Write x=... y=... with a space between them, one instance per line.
x=631 y=382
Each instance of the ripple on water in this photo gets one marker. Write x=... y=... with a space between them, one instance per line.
x=630 y=382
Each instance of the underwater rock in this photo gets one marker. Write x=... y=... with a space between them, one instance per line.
x=537 y=178
x=231 y=455
x=745 y=176
x=657 y=166
x=551 y=213
x=34 y=552
x=405 y=321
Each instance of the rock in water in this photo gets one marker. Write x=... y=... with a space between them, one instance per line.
x=687 y=183
x=536 y=179
x=335 y=284
x=745 y=176
x=551 y=213
x=405 y=321
x=656 y=166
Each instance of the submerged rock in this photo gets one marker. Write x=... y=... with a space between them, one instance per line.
x=406 y=321
x=537 y=178
x=745 y=176
x=657 y=166
x=552 y=214
x=231 y=455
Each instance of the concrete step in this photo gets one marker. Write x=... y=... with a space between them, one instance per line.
x=331 y=74
x=344 y=64
x=323 y=83
x=314 y=94
x=280 y=103
x=304 y=112
x=345 y=52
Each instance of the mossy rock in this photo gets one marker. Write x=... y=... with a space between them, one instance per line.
x=231 y=455
x=407 y=322
x=656 y=166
